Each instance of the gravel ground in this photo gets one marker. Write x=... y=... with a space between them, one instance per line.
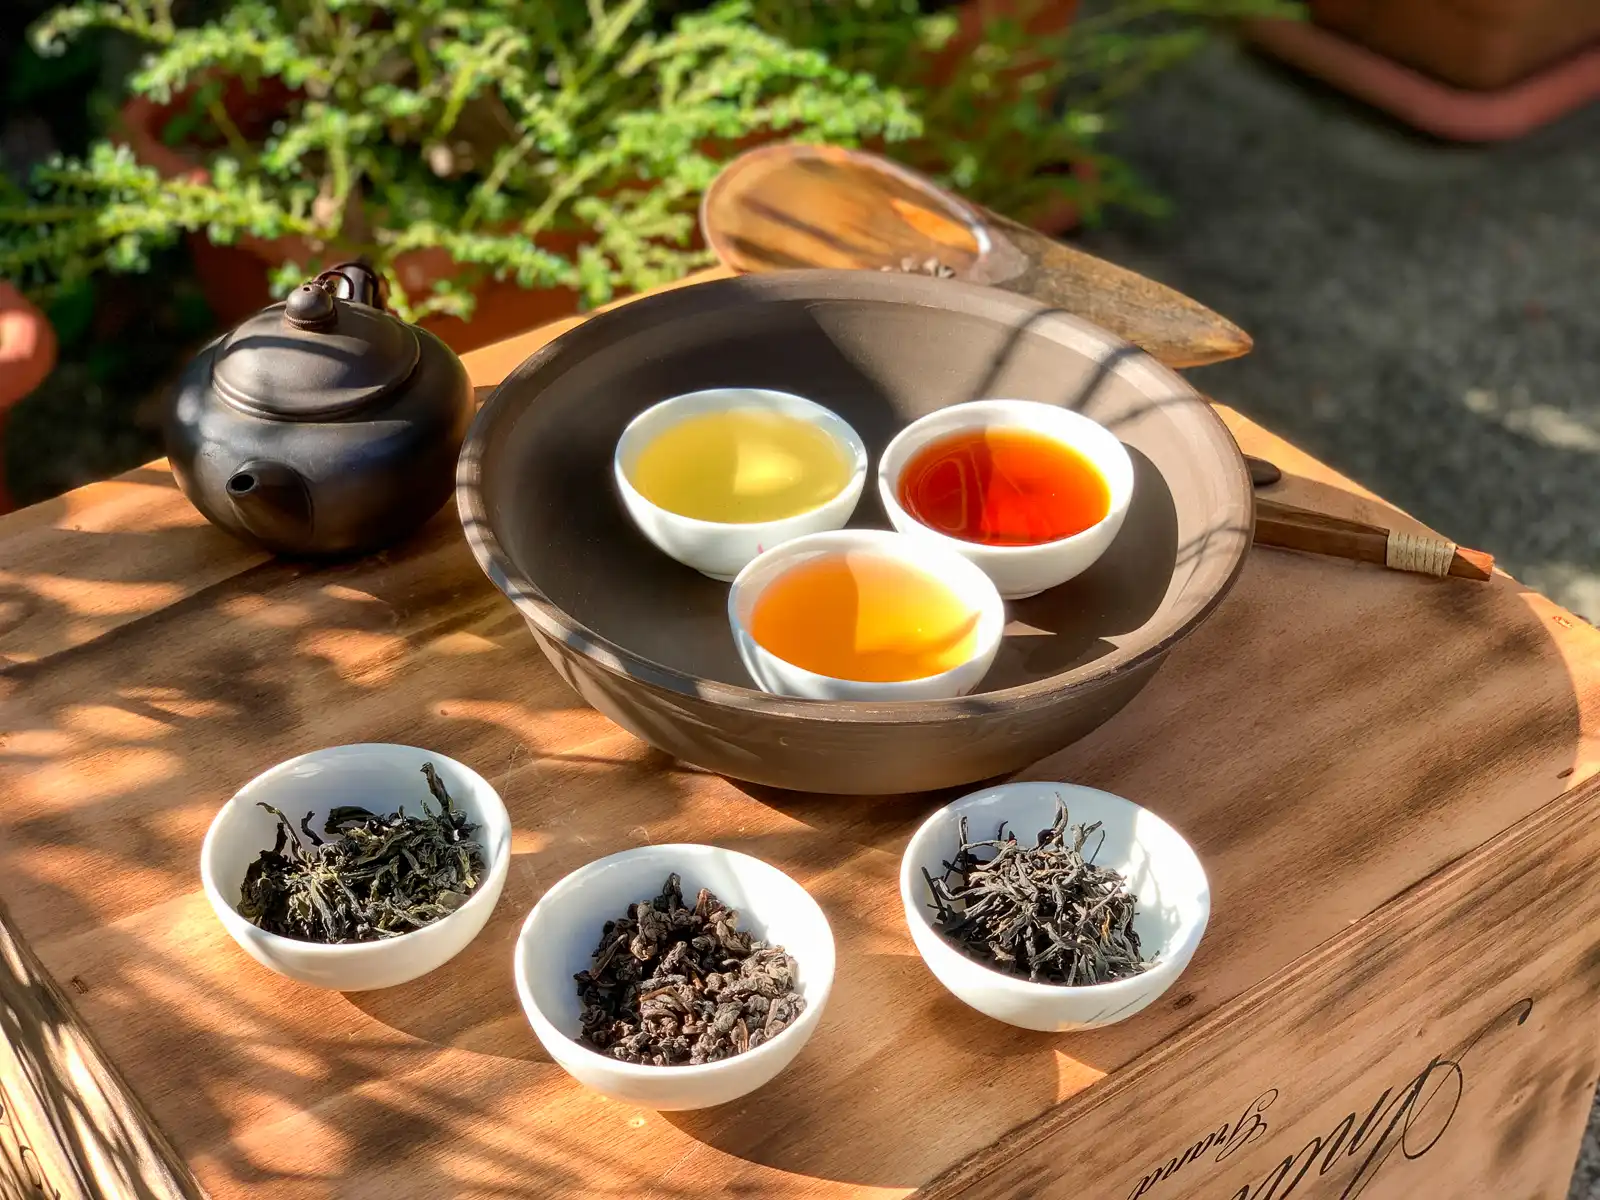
x=1426 y=316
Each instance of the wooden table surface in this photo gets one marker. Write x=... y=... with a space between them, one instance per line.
x=1335 y=734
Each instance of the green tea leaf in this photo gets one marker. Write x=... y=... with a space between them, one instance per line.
x=380 y=874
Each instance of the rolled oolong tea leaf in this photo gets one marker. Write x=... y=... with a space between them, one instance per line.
x=1045 y=912
x=382 y=875
x=672 y=985
x=929 y=266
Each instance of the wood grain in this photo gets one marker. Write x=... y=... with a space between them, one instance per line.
x=83 y=565
x=110 y=554
x=490 y=364
x=1398 y=1060
x=1175 y=329
x=1289 y=528
x=787 y=206
x=70 y=1128
x=1349 y=730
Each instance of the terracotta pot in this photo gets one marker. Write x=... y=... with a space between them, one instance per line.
x=27 y=354
x=235 y=278
x=1478 y=44
x=27 y=346
x=1425 y=101
x=1040 y=18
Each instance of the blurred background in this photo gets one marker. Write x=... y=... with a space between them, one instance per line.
x=1426 y=314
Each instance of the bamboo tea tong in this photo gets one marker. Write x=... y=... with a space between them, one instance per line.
x=788 y=206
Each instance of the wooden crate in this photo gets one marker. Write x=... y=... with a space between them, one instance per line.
x=1446 y=1046
x=1391 y=781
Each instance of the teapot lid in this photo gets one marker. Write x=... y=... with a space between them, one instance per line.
x=317 y=356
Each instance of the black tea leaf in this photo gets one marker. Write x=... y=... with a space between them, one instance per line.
x=674 y=986
x=1046 y=912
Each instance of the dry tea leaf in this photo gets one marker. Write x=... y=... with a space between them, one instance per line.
x=1045 y=912
x=928 y=266
x=672 y=985
x=382 y=875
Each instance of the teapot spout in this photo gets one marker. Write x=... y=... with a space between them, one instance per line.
x=273 y=503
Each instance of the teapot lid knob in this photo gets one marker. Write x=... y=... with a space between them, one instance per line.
x=311 y=306
x=322 y=354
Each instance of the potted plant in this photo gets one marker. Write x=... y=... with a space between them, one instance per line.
x=1485 y=45
x=524 y=157
x=27 y=346
x=1471 y=71
x=27 y=352
x=551 y=145
x=1015 y=96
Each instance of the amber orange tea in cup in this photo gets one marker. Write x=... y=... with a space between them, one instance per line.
x=1003 y=486
x=864 y=617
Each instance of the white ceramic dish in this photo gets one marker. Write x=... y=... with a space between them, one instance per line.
x=379 y=777
x=721 y=549
x=560 y=934
x=1162 y=871
x=782 y=678
x=1018 y=571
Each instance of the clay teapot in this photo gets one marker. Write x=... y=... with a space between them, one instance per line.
x=322 y=425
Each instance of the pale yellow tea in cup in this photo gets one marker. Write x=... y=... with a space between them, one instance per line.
x=741 y=466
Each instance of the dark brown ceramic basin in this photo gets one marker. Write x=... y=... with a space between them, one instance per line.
x=646 y=641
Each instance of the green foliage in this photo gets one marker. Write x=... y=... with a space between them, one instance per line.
x=1016 y=122
x=556 y=142
x=566 y=142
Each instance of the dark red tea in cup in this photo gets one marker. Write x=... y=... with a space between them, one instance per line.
x=1003 y=486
